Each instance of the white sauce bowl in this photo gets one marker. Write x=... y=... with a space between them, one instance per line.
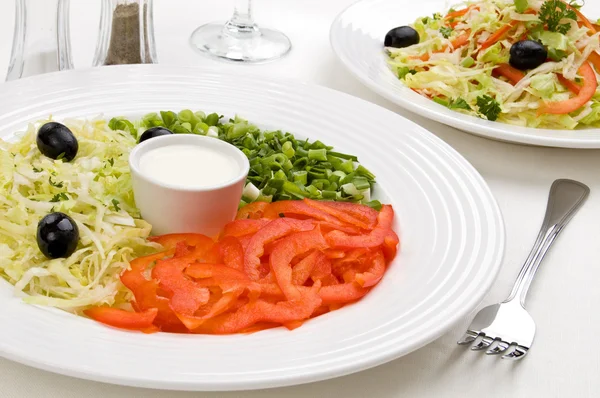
x=176 y=207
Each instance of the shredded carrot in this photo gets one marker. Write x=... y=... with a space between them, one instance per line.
x=456 y=43
x=496 y=37
x=460 y=13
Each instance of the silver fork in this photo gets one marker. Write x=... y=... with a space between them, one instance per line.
x=507 y=328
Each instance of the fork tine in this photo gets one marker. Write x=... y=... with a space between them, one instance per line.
x=483 y=344
x=518 y=353
x=499 y=347
x=469 y=337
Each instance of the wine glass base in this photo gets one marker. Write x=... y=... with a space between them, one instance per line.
x=258 y=46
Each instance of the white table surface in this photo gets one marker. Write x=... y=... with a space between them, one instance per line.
x=565 y=359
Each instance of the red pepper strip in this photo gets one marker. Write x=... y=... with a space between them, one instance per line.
x=339 y=214
x=322 y=269
x=375 y=238
x=390 y=245
x=344 y=293
x=205 y=270
x=570 y=85
x=123 y=319
x=334 y=253
x=325 y=227
x=498 y=35
x=263 y=311
x=301 y=271
x=374 y=273
x=291 y=208
x=286 y=250
x=354 y=259
x=274 y=230
x=460 y=13
x=232 y=252
x=594 y=58
x=134 y=277
x=195 y=240
x=363 y=212
x=187 y=297
x=239 y=228
x=590 y=84
x=222 y=305
x=253 y=211
x=512 y=74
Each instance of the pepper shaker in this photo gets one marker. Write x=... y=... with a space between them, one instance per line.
x=41 y=38
x=126 y=34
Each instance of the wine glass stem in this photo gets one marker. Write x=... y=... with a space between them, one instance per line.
x=241 y=24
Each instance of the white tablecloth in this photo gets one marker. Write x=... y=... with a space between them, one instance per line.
x=565 y=359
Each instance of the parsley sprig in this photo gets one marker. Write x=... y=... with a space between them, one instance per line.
x=553 y=12
x=488 y=107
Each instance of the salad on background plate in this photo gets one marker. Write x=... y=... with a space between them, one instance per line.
x=531 y=63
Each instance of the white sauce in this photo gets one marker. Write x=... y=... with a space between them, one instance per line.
x=188 y=166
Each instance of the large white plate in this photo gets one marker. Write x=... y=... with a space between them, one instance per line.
x=357 y=38
x=451 y=229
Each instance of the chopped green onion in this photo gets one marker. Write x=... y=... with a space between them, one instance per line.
x=317 y=154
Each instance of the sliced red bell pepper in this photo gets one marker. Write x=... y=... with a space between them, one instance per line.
x=390 y=245
x=341 y=215
x=594 y=59
x=232 y=252
x=363 y=212
x=224 y=303
x=253 y=211
x=274 y=230
x=187 y=296
x=375 y=272
x=263 y=311
x=123 y=319
x=570 y=85
x=243 y=227
x=195 y=240
x=286 y=250
x=134 y=277
x=582 y=18
x=217 y=271
x=292 y=208
x=512 y=74
x=301 y=271
x=343 y=293
x=375 y=238
x=590 y=85
x=322 y=269
x=334 y=253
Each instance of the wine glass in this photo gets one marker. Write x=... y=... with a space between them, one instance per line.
x=240 y=39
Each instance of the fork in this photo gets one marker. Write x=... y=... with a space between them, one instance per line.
x=507 y=328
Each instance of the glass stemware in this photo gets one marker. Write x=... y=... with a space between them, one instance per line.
x=41 y=38
x=240 y=39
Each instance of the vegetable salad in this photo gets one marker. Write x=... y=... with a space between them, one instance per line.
x=530 y=63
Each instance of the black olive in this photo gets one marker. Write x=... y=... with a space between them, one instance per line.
x=400 y=37
x=154 y=132
x=527 y=54
x=57 y=235
x=57 y=141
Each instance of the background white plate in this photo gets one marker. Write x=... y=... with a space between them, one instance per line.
x=451 y=230
x=357 y=38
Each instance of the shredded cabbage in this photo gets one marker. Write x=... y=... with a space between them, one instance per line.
x=95 y=190
x=450 y=76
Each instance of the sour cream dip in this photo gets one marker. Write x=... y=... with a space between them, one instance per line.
x=189 y=166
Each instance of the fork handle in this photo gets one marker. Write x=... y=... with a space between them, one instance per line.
x=566 y=197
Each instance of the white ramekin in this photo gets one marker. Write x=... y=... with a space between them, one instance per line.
x=176 y=209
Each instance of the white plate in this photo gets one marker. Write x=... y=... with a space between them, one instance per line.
x=357 y=38
x=451 y=229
